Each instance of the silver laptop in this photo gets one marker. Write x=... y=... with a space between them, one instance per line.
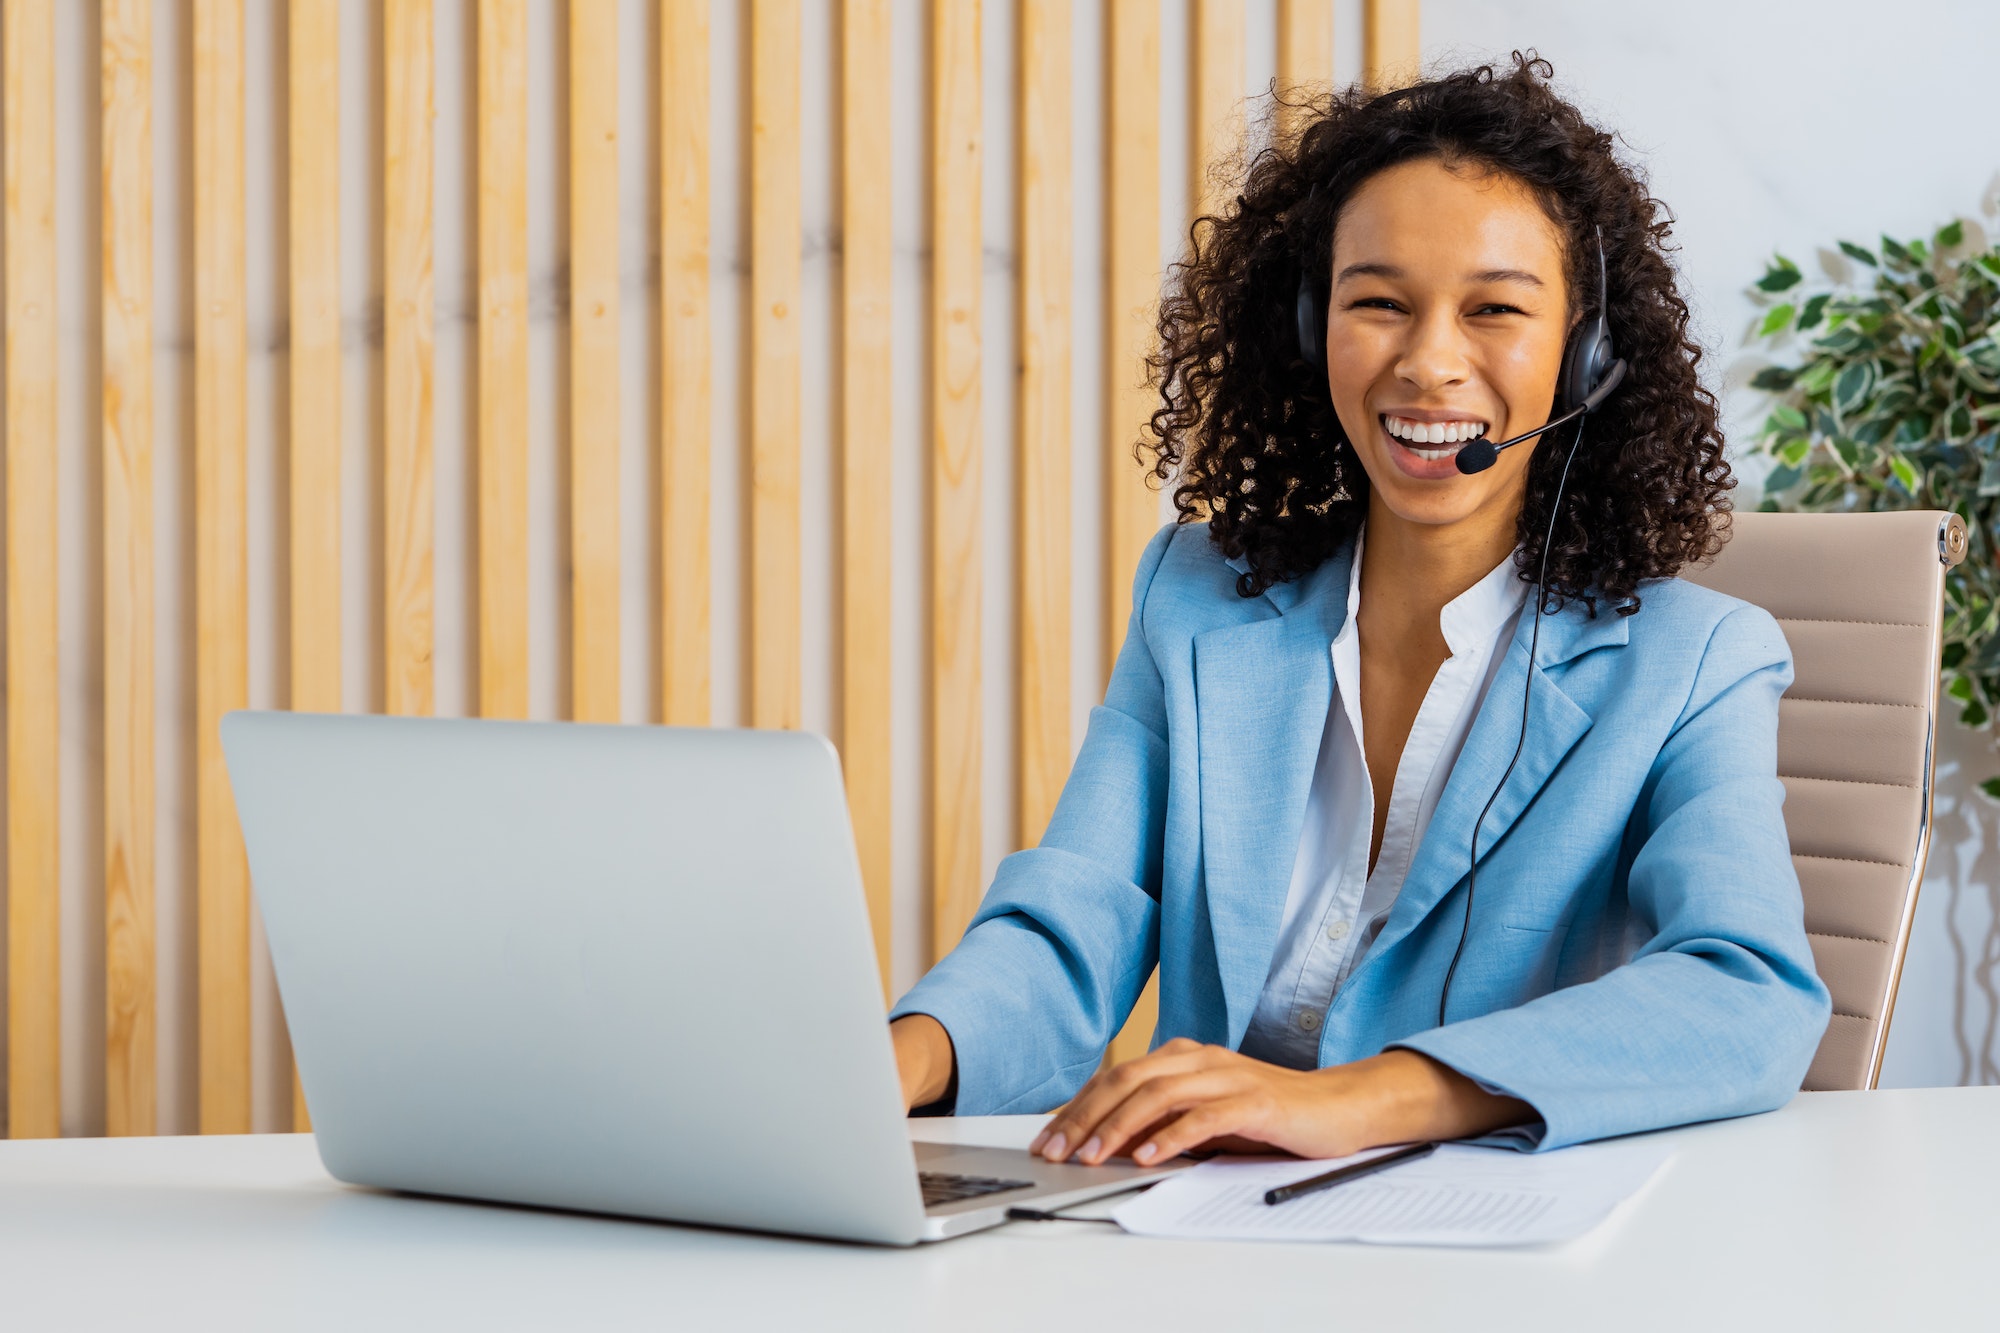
x=615 y=969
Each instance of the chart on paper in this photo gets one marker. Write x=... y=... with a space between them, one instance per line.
x=1458 y=1196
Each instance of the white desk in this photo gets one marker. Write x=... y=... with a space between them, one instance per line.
x=1876 y=1211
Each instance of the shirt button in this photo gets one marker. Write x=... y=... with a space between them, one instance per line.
x=1308 y=1020
x=1337 y=931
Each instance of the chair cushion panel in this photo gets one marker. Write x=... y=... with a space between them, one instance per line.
x=1852 y=821
x=1888 y=664
x=1858 y=899
x=1856 y=971
x=1853 y=742
x=1842 y=1059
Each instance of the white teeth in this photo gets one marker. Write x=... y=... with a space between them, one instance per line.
x=1421 y=432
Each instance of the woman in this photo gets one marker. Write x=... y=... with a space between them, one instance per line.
x=1322 y=691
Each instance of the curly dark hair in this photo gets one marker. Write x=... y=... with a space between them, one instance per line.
x=1648 y=498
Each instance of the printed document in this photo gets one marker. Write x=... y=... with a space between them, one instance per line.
x=1459 y=1195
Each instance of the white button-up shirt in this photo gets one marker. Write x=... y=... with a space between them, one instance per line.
x=1335 y=907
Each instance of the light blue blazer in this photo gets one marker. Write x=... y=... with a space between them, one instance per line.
x=1637 y=955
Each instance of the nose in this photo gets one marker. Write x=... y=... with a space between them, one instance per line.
x=1434 y=357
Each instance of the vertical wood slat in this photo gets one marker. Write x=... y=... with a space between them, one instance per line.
x=956 y=147
x=1305 y=51
x=1132 y=276
x=130 y=1025
x=407 y=482
x=502 y=97
x=1218 y=95
x=27 y=125
x=867 y=382
x=594 y=416
x=1391 y=42
x=776 y=220
x=1043 y=436
x=222 y=637
x=313 y=221
x=684 y=364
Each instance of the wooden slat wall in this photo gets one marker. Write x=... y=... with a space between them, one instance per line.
x=130 y=1024
x=953 y=502
x=502 y=78
x=593 y=408
x=1132 y=279
x=1218 y=95
x=313 y=213
x=1391 y=42
x=407 y=483
x=222 y=558
x=775 y=229
x=684 y=364
x=1042 y=443
x=27 y=139
x=1305 y=49
x=956 y=717
x=866 y=672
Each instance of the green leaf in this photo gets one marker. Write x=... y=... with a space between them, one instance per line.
x=1843 y=341
x=1809 y=314
x=1853 y=386
x=1781 y=275
x=1782 y=478
x=1897 y=254
x=1906 y=472
x=1958 y=423
x=1950 y=234
x=1794 y=451
x=1779 y=318
x=1817 y=378
x=1773 y=379
x=1974 y=715
x=1989 y=478
x=1788 y=418
x=1960 y=689
x=1853 y=251
x=1991 y=787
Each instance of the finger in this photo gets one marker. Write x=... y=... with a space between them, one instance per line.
x=1211 y=1120
x=1074 y=1125
x=1156 y=1100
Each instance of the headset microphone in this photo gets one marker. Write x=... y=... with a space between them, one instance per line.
x=1479 y=455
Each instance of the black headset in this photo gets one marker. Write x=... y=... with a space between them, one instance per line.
x=1591 y=370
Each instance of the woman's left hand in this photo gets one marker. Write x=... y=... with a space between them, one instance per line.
x=1186 y=1095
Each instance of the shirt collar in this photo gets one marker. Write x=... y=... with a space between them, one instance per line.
x=1471 y=619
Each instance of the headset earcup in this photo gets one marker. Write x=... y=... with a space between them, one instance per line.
x=1309 y=316
x=1585 y=360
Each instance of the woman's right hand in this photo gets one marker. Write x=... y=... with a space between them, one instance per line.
x=923 y=1058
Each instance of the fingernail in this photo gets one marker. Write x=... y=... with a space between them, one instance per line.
x=1040 y=1139
x=1145 y=1153
x=1057 y=1149
x=1090 y=1148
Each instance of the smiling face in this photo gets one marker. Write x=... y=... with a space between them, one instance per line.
x=1445 y=321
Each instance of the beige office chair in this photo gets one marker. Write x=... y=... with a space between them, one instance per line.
x=1860 y=598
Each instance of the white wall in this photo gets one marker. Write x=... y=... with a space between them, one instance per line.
x=1769 y=125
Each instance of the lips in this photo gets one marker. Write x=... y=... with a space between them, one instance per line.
x=1427 y=450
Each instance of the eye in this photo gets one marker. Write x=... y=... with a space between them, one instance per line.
x=1498 y=308
x=1373 y=303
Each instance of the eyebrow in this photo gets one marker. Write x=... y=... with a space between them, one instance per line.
x=1374 y=270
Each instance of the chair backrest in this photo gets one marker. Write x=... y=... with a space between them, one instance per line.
x=1860 y=598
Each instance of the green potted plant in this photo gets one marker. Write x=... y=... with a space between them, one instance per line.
x=1885 y=394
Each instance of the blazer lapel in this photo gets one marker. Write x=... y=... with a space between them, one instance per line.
x=1555 y=724
x=1262 y=691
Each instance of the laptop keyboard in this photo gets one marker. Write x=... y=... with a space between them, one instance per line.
x=942 y=1187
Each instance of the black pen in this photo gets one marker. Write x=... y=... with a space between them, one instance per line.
x=1341 y=1175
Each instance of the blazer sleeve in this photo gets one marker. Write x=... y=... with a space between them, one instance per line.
x=1719 y=1012
x=1055 y=958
